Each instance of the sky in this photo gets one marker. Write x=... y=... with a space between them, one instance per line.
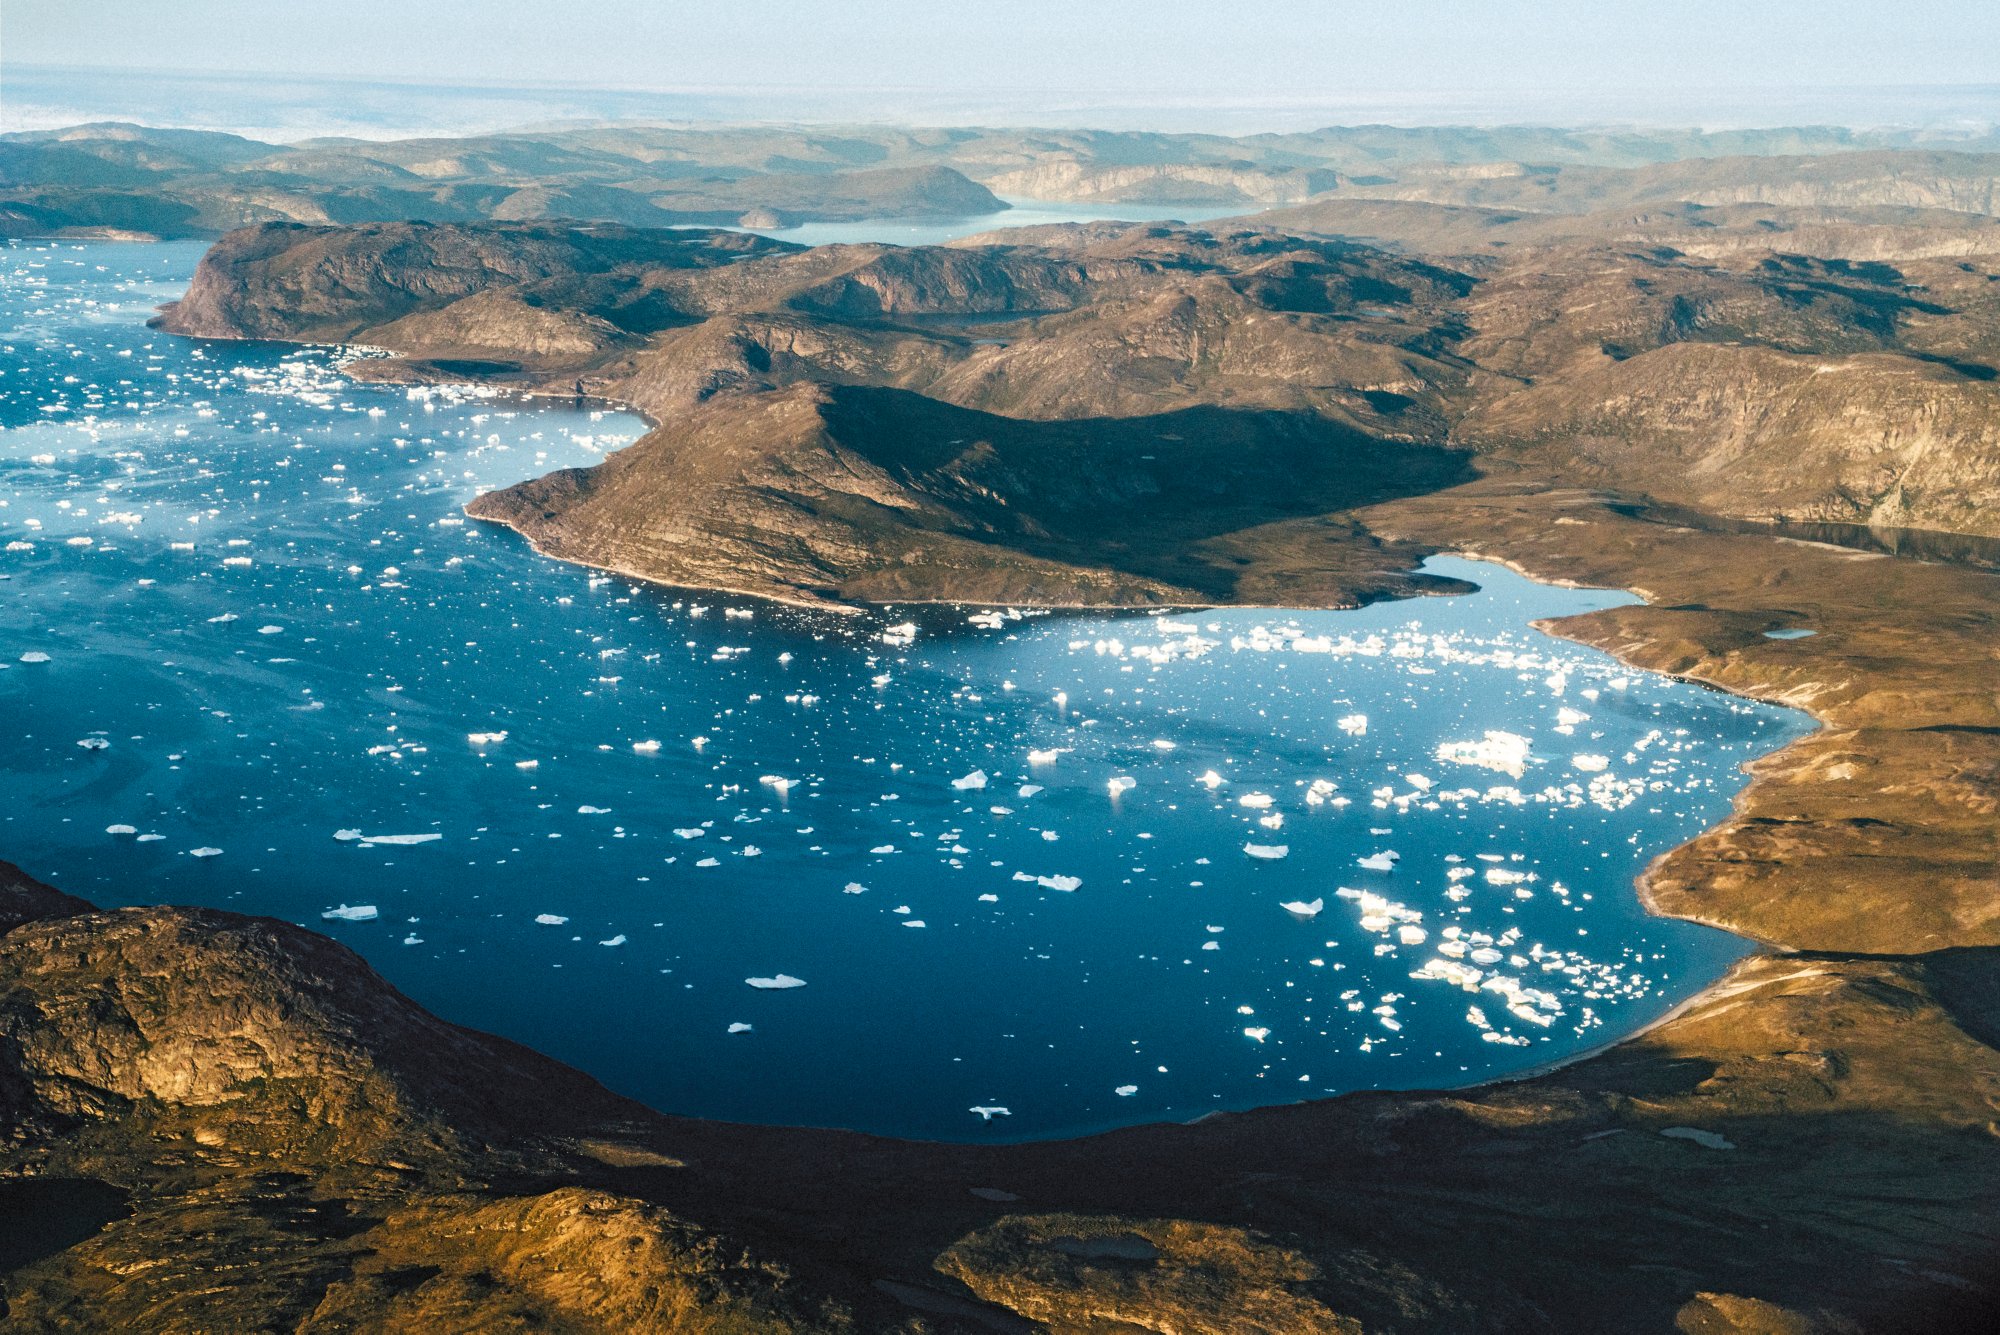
x=1232 y=66
x=1275 y=47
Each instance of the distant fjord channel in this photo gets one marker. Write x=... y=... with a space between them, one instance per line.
x=956 y=873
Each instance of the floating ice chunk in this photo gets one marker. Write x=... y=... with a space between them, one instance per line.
x=270 y=630
x=1354 y=725
x=1320 y=790
x=1063 y=883
x=401 y=839
x=1255 y=801
x=121 y=829
x=1380 y=861
x=1267 y=852
x=647 y=747
x=1211 y=780
x=1257 y=1032
x=551 y=919
x=914 y=922
x=1590 y=764
x=856 y=888
x=1506 y=752
x=356 y=913
x=1162 y=744
x=989 y=899
x=94 y=744
x=777 y=983
x=527 y=764
x=617 y=940
x=988 y=1114
x=151 y=838
x=899 y=635
x=204 y=852
x=881 y=849
x=1411 y=936
x=1028 y=790
x=690 y=832
x=739 y=1028
x=34 y=656
x=486 y=738
x=987 y=620
x=971 y=782
x=1001 y=811
x=709 y=862
x=1122 y=784
x=1300 y=908
x=779 y=783
x=1569 y=718
x=1047 y=757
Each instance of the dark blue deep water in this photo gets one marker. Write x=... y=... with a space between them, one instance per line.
x=252 y=652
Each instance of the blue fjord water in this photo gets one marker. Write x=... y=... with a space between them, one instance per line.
x=253 y=656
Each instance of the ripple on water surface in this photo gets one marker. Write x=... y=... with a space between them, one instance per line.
x=971 y=873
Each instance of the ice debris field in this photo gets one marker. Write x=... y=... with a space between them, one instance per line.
x=973 y=873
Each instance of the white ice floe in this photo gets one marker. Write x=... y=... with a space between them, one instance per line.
x=646 y=748
x=777 y=983
x=739 y=1028
x=971 y=782
x=34 y=656
x=617 y=940
x=1211 y=780
x=1354 y=725
x=1028 y=790
x=1257 y=1032
x=1506 y=752
x=486 y=738
x=778 y=783
x=1590 y=764
x=121 y=829
x=1255 y=801
x=551 y=919
x=1122 y=784
x=350 y=836
x=856 y=888
x=690 y=832
x=1304 y=908
x=988 y=1114
x=1385 y=861
x=204 y=852
x=355 y=913
x=588 y=810
x=1064 y=883
x=94 y=744
x=1267 y=852
x=1126 y=1091
x=1047 y=757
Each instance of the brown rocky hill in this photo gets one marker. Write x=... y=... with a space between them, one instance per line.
x=1751 y=385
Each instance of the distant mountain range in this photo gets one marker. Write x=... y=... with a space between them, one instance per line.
x=137 y=180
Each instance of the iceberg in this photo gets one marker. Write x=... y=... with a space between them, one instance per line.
x=971 y=782
x=1302 y=908
x=1063 y=883
x=1267 y=852
x=778 y=983
x=357 y=913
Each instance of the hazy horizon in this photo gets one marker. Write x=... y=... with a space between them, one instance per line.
x=378 y=68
